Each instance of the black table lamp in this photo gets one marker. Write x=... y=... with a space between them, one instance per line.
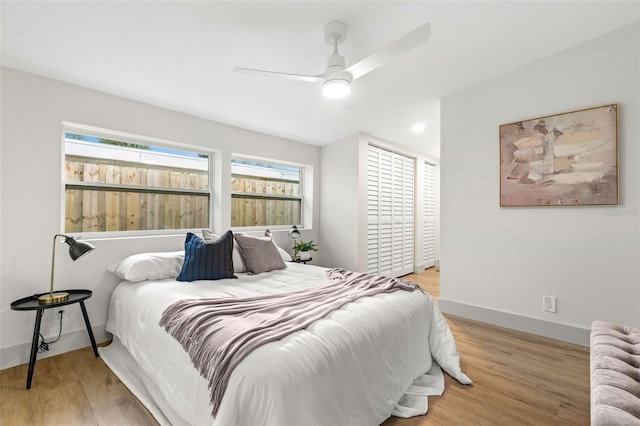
x=294 y=234
x=77 y=249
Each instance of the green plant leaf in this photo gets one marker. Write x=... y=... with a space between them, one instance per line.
x=305 y=246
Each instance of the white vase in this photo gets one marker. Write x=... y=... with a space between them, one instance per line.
x=304 y=255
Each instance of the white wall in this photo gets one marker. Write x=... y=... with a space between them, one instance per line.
x=339 y=203
x=33 y=109
x=343 y=208
x=497 y=263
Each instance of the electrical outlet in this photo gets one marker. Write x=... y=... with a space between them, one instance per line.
x=548 y=303
x=52 y=316
x=65 y=315
x=51 y=326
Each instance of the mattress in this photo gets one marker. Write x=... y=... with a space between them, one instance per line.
x=372 y=358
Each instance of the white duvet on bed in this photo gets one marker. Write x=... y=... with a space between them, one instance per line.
x=351 y=368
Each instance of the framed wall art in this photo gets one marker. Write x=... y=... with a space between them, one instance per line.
x=565 y=159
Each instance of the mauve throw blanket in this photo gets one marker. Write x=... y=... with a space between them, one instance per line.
x=219 y=333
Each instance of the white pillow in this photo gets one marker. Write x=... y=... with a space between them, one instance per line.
x=285 y=256
x=149 y=266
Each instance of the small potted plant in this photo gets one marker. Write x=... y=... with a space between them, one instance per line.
x=302 y=249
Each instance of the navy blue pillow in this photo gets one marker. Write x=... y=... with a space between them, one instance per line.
x=204 y=261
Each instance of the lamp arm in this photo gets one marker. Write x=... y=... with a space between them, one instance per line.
x=53 y=260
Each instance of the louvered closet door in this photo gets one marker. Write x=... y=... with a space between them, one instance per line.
x=429 y=215
x=390 y=193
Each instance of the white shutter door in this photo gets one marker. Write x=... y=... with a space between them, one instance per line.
x=373 y=206
x=408 y=211
x=390 y=206
x=429 y=215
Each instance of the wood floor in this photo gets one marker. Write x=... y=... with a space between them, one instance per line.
x=519 y=379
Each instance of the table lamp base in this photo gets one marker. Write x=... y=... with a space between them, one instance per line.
x=48 y=298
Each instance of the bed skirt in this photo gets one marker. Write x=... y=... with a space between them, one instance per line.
x=122 y=364
x=413 y=403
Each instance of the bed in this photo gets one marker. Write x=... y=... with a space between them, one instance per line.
x=372 y=358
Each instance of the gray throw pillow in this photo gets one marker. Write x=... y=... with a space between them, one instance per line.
x=259 y=254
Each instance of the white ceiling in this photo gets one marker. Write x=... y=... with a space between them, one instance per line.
x=180 y=55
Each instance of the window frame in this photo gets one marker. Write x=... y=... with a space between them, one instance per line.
x=91 y=131
x=303 y=198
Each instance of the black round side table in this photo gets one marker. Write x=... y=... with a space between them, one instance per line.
x=31 y=303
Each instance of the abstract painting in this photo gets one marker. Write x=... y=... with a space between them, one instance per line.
x=566 y=159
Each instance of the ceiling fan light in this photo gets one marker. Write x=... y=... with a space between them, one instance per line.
x=336 y=89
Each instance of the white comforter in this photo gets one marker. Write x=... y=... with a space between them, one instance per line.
x=351 y=368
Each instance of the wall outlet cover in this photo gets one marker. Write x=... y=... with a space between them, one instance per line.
x=548 y=303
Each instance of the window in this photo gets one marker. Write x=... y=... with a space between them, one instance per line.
x=265 y=194
x=117 y=183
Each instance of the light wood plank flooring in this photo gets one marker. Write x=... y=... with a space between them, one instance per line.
x=519 y=379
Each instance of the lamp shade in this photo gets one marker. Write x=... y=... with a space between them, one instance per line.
x=294 y=234
x=77 y=249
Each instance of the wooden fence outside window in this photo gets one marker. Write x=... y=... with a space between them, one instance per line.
x=123 y=196
x=258 y=201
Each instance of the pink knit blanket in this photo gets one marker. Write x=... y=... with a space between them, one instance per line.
x=219 y=333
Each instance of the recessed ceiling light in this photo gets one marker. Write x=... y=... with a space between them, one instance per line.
x=418 y=127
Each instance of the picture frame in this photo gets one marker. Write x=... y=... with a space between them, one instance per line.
x=567 y=159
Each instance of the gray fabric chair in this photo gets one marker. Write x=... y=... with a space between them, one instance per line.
x=615 y=374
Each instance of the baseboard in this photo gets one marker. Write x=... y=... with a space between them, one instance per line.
x=563 y=332
x=421 y=267
x=19 y=354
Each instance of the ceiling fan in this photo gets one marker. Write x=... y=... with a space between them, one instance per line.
x=336 y=79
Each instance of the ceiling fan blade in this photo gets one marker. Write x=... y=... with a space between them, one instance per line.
x=308 y=78
x=391 y=51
